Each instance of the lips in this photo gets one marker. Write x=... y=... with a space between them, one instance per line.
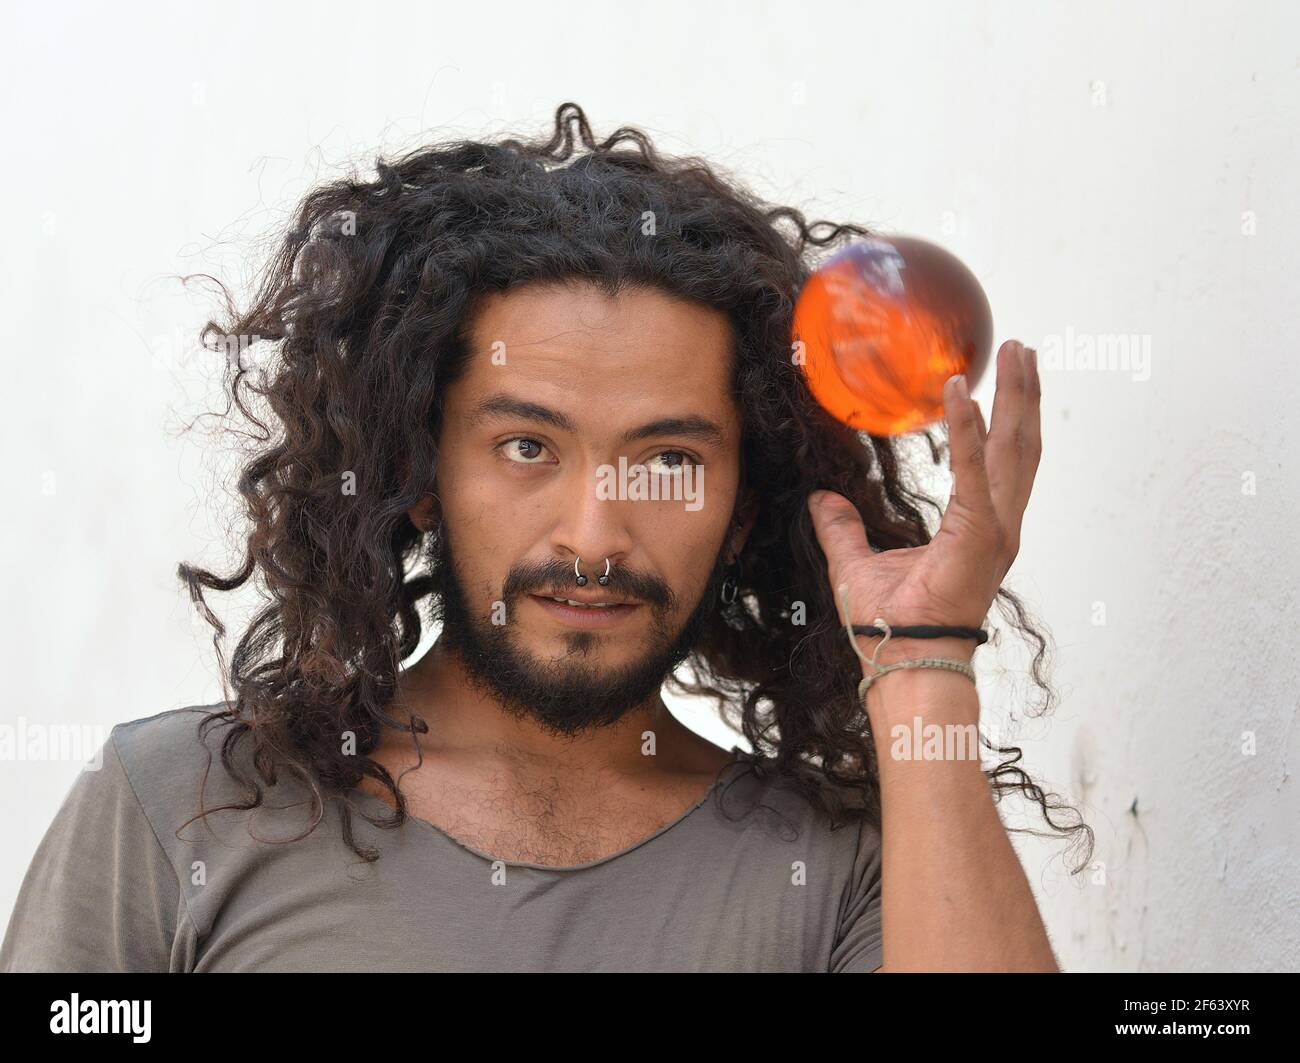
x=594 y=616
x=579 y=600
x=583 y=603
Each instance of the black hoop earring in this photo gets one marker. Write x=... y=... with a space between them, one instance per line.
x=731 y=583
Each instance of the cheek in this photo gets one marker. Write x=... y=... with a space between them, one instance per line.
x=685 y=555
x=470 y=497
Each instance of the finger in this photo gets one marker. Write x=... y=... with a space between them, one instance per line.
x=1029 y=441
x=966 y=446
x=1033 y=421
x=839 y=530
x=984 y=435
x=1009 y=444
x=1031 y=446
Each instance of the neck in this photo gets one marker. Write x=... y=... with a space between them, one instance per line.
x=463 y=719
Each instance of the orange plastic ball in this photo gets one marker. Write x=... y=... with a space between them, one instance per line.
x=882 y=324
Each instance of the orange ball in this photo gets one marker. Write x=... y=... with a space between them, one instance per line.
x=883 y=324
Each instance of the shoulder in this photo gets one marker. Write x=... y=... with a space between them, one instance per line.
x=172 y=732
x=801 y=852
x=799 y=804
x=798 y=783
x=170 y=744
x=173 y=761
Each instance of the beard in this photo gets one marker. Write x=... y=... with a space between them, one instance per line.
x=571 y=694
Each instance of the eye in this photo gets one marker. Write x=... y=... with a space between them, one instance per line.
x=684 y=460
x=521 y=450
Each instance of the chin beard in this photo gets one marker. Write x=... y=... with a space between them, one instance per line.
x=569 y=695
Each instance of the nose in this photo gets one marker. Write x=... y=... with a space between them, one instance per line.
x=591 y=527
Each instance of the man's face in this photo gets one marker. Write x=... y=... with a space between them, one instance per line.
x=562 y=383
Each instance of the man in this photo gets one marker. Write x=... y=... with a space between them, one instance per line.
x=567 y=389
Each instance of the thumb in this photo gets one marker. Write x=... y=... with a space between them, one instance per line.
x=839 y=528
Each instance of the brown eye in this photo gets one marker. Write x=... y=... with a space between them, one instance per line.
x=522 y=450
x=683 y=459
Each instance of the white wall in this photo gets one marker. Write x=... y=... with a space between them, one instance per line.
x=1092 y=163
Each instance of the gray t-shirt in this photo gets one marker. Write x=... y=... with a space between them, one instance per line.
x=767 y=886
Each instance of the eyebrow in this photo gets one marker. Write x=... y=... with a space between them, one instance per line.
x=691 y=426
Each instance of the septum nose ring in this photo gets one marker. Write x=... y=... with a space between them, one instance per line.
x=582 y=580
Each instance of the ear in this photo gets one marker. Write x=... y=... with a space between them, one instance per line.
x=746 y=515
x=426 y=514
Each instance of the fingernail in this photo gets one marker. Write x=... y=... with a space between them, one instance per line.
x=962 y=390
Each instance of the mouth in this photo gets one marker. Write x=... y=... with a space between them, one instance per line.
x=588 y=612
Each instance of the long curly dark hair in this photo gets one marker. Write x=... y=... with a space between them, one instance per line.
x=365 y=301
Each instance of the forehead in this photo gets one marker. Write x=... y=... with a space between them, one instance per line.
x=607 y=360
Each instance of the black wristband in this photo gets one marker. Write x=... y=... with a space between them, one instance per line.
x=926 y=631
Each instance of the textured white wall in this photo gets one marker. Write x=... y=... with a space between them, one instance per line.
x=1107 y=169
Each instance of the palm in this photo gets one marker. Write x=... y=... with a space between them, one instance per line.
x=915 y=585
x=953 y=579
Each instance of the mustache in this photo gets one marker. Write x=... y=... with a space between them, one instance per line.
x=554 y=577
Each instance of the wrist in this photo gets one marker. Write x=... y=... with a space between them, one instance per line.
x=935 y=693
x=903 y=649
